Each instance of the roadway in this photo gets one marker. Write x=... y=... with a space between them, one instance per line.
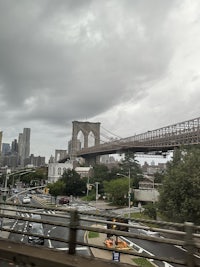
x=143 y=246
x=49 y=230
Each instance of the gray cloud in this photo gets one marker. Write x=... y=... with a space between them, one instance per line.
x=65 y=60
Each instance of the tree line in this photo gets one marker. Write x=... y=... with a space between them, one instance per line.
x=179 y=199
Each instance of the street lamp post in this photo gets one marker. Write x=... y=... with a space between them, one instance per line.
x=129 y=190
x=19 y=174
x=89 y=186
x=97 y=193
x=6 y=184
x=5 y=187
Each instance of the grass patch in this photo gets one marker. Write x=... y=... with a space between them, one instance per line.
x=141 y=262
x=93 y=235
x=138 y=215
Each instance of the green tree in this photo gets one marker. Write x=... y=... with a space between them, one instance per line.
x=74 y=185
x=32 y=178
x=158 y=177
x=129 y=163
x=100 y=173
x=117 y=190
x=180 y=193
x=56 y=188
x=150 y=210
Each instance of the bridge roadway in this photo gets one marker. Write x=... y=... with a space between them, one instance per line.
x=162 y=139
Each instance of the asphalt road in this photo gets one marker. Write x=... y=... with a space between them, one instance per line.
x=149 y=247
x=158 y=249
x=49 y=230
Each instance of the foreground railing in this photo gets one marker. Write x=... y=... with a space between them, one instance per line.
x=183 y=235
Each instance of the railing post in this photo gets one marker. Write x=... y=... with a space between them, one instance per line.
x=74 y=222
x=189 y=244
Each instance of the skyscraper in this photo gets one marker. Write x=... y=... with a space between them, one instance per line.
x=5 y=149
x=0 y=141
x=14 y=146
x=24 y=145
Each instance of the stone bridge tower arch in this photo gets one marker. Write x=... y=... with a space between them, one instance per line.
x=86 y=128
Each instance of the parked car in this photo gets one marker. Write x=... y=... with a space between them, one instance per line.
x=26 y=200
x=64 y=200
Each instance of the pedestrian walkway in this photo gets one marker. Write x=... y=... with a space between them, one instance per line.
x=43 y=201
x=105 y=254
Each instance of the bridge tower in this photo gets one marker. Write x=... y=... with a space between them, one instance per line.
x=86 y=128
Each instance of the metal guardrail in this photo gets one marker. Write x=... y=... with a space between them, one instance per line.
x=184 y=235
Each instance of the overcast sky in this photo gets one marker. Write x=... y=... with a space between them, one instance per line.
x=131 y=65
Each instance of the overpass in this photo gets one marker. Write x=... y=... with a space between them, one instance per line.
x=158 y=140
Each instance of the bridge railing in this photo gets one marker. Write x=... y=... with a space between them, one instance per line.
x=185 y=236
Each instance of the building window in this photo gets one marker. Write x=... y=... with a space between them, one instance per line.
x=59 y=171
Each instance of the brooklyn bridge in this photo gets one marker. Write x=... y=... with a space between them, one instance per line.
x=155 y=141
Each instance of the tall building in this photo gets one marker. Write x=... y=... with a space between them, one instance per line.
x=0 y=140
x=34 y=161
x=24 y=145
x=5 y=149
x=26 y=138
x=14 y=146
x=20 y=145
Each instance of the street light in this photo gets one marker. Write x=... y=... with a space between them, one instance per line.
x=8 y=174
x=89 y=187
x=19 y=174
x=129 y=190
x=97 y=193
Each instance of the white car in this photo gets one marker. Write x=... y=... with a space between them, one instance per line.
x=26 y=200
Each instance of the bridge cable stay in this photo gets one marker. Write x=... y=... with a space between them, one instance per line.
x=108 y=138
x=105 y=136
x=111 y=132
x=102 y=141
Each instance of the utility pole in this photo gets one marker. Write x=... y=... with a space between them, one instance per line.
x=97 y=192
x=129 y=190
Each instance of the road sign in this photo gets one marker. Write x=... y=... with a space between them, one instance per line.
x=116 y=256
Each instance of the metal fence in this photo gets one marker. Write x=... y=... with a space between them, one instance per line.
x=184 y=235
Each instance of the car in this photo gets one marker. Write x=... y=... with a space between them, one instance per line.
x=36 y=228
x=15 y=191
x=26 y=200
x=150 y=233
x=64 y=200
